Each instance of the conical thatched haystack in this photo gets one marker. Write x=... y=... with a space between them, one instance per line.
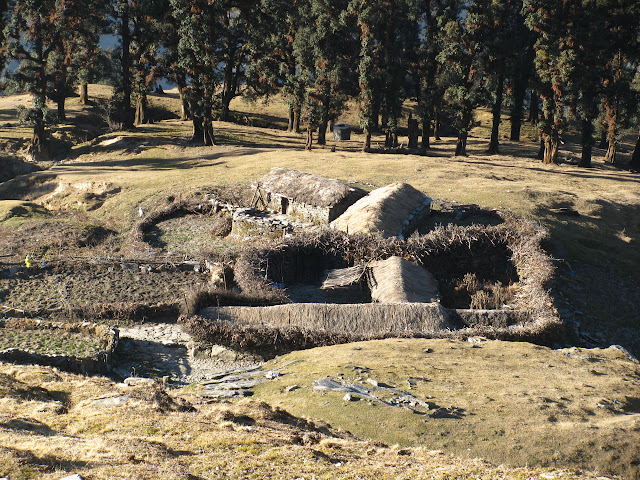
x=396 y=280
x=305 y=195
x=390 y=211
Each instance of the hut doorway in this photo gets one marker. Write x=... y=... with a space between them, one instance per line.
x=284 y=205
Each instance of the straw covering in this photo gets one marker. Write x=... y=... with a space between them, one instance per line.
x=396 y=280
x=361 y=321
x=388 y=211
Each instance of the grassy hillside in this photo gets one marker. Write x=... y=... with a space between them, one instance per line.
x=54 y=424
x=519 y=404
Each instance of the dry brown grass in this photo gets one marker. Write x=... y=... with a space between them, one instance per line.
x=52 y=426
x=513 y=403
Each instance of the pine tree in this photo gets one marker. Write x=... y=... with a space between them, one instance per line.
x=237 y=21
x=122 y=111
x=464 y=60
x=555 y=65
x=34 y=31
x=146 y=22
x=325 y=61
x=4 y=14
x=273 y=64
x=619 y=36
x=386 y=32
x=200 y=38
x=430 y=17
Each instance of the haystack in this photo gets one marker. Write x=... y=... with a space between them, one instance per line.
x=396 y=280
x=391 y=211
x=304 y=195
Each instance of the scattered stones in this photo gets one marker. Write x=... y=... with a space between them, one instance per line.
x=292 y=388
x=75 y=476
x=236 y=383
x=272 y=374
x=111 y=401
x=137 y=381
x=399 y=398
x=372 y=382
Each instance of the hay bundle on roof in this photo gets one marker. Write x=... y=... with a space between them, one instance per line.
x=305 y=195
x=396 y=280
x=391 y=211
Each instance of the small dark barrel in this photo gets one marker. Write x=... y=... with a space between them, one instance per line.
x=342 y=131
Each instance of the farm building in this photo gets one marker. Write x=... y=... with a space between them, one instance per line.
x=299 y=194
x=391 y=211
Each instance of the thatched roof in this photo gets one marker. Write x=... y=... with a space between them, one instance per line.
x=387 y=211
x=360 y=321
x=307 y=188
x=396 y=280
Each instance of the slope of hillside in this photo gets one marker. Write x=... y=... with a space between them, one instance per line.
x=54 y=424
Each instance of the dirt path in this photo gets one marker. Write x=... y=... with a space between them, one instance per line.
x=160 y=350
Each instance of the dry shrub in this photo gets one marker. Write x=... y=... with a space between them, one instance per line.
x=200 y=298
x=221 y=226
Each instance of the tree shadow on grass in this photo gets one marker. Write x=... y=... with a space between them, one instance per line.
x=45 y=463
x=596 y=287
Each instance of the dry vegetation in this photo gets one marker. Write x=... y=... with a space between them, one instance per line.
x=506 y=402
x=53 y=424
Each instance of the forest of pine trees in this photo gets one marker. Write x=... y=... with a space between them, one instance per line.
x=549 y=61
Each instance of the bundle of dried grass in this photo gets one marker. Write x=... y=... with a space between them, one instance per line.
x=387 y=211
x=396 y=280
x=343 y=277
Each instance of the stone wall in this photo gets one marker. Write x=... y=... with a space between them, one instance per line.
x=99 y=363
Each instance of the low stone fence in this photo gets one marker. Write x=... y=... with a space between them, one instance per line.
x=98 y=363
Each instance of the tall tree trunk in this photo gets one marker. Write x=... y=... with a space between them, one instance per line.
x=551 y=148
x=413 y=133
x=207 y=127
x=38 y=148
x=587 y=143
x=610 y=156
x=366 y=146
x=425 y=133
x=60 y=103
x=84 y=93
x=461 y=145
x=291 y=119
x=296 y=118
x=127 y=117
x=309 y=139
x=198 y=130
x=322 y=133
x=517 y=110
x=540 y=154
x=141 y=108
x=534 y=108
x=635 y=157
x=436 y=125
x=494 y=143
x=185 y=111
